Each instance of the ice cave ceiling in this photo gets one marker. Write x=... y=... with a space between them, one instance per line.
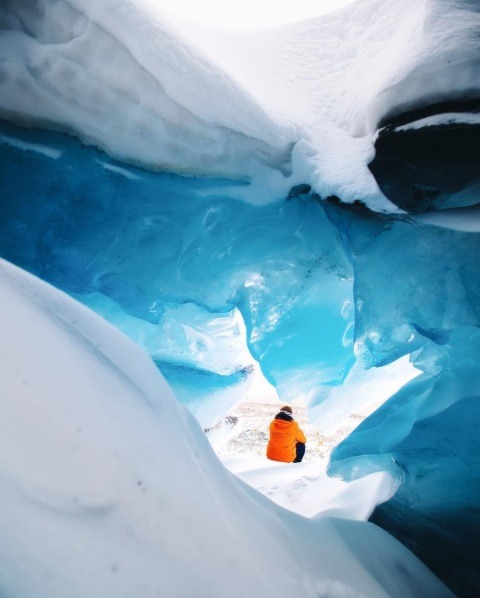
x=321 y=278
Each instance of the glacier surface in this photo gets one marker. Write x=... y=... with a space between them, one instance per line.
x=304 y=197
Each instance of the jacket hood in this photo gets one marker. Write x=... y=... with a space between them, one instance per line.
x=284 y=416
x=281 y=424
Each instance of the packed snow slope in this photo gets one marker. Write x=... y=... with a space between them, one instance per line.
x=207 y=213
x=110 y=488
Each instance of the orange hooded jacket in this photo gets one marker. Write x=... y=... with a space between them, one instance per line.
x=284 y=436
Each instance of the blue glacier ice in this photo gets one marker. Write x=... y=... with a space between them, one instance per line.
x=427 y=435
x=302 y=199
x=417 y=290
x=168 y=259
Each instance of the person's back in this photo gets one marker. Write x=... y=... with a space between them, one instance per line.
x=287 y=440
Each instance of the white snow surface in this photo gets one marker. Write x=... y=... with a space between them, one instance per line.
x=277 y=107
x=438 y=120
x=110 y=488
x=306 y=489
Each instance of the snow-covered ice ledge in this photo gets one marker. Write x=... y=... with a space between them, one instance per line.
x=276 y=107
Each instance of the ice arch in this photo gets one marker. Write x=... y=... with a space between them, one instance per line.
x=167 y=259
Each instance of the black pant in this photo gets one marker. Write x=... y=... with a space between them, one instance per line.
x=300 y=448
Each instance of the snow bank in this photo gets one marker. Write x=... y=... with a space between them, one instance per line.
x=277 y=107
x=441 y=119
x=306 y=489
x=133 y=87
x=109 y=488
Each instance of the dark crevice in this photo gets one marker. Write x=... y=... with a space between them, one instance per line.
x=429 y=168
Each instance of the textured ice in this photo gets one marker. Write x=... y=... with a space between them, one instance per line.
x=412 y=282
x=184 y=268
x=417 y=290
x=426 y=434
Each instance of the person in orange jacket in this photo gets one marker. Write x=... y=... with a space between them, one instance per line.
x=287 y=441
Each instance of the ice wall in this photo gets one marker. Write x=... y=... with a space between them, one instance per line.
x=427 y=434
x=172 y=261
x=417 y=290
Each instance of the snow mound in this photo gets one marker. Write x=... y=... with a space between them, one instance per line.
x=276 y=107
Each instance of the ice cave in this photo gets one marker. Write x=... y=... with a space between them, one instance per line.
x=183 y=207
